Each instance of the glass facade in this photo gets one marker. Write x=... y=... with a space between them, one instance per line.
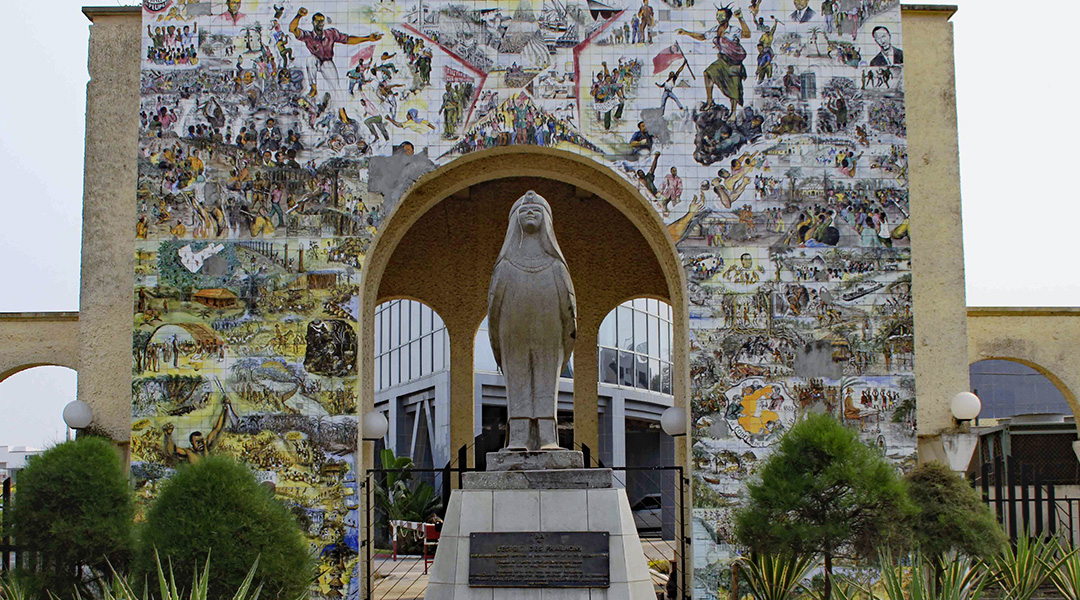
x=410 y=343
x=635 y=346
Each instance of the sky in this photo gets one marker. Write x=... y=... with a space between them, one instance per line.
x=1010 y=261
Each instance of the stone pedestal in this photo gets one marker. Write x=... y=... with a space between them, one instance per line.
x=567 y=500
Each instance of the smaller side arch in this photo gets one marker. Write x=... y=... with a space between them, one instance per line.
x=30 y=340
x=1057 y=382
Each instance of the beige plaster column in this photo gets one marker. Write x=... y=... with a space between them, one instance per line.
x=108 y=219
x=462 y=386
x=941 y=339
x=586 y=382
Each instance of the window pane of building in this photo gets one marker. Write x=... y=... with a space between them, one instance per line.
x=654 y=375
x=665 y=387
x=385 y=370
x=642 y=372
x=385 y=330
x=437 y=363
x=425 y=355
x=654 y=336
x=665 y=340
x=436 y=321
x=414 y=356
x=641 y=304
x=425 y=326
x=626 y=369
x=625 y=325
x=378 y=335
x=395 y=375
x=609 y=366
x=641 y=332
x=607 y=335
x=395 y=324
x=414 y=320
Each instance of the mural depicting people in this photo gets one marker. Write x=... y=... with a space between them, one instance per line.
x=888 y=56
x=727 y=72
x=320 y=42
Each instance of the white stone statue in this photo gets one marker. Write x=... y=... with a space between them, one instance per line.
x=532 y=318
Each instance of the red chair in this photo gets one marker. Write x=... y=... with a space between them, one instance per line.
x=431 y=540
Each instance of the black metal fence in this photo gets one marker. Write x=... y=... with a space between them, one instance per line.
x=1027 y=502
x=657 y=497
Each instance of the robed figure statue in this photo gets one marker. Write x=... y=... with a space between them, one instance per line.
x=532 y=321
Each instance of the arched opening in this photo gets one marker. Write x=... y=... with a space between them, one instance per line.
x=1028 y=406
x=1011 y=386
x=32 y=400
x=440 y=243
x=412 y=366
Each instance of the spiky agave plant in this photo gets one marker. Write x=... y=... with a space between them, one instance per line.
x=1066 y=577
x=121 y=589
x=1021 y=570
x=776 y=576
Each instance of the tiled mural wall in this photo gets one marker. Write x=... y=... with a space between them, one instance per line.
x=276 y=136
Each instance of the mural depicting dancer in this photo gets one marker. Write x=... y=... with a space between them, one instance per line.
x=727 y=72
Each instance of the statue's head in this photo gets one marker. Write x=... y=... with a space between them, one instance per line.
x=531 y=215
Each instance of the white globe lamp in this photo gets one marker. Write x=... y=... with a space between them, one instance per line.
x=673 y=421
x=78 y=414
x=374 y=426
x=965 y=406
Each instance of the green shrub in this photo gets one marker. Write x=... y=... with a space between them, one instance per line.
x=950 y=515
x=73 y=506
x=822 y=491
x=215 y=508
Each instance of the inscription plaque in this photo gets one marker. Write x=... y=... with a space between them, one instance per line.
x=556 y=559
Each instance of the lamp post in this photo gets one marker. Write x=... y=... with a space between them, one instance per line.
x=673 y=421
x=373 y=426
x=78 y=415
x=959 y=445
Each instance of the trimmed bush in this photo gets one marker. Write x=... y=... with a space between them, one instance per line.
x=74 y=507
x=216 y=508
x=951 y=515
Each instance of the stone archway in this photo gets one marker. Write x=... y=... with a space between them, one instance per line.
x=1044 y=339
x=594 y=209
x=1050 y=376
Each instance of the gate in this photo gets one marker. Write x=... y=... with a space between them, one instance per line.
x=400 y=571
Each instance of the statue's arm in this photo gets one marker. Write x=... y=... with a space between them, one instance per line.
x=495 y=298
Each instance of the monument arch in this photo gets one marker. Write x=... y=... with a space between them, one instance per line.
x=439 y=245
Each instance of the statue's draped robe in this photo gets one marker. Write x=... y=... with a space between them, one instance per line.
x=532 y=327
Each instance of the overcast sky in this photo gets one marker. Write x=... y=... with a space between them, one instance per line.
x=1007 y=92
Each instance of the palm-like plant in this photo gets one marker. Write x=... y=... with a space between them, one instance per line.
x=1021 y=570
x=776 y=576
x=962 y=578
x=1066 y=577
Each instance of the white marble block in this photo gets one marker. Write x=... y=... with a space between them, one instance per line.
x=543 y=509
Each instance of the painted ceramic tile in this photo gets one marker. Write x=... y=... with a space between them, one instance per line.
x=275 y=136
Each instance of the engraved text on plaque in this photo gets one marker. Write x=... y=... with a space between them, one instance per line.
x=575 y=559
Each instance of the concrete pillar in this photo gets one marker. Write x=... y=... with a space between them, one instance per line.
x=108 y=220
x=618 y=430
x=586 y=380
x=937 y=249
x=462 y=333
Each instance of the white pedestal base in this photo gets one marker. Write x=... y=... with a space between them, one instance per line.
x=509 y=510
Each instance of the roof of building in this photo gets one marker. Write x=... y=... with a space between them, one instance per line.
x=216 y=293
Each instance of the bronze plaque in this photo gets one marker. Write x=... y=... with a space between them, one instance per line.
x=557 y=559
